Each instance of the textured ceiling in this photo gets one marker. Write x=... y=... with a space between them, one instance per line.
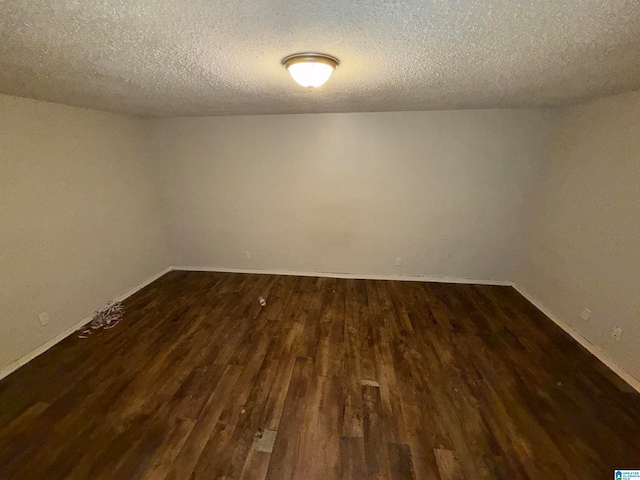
x=211 y=57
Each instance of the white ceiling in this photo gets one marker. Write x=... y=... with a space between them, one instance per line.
x=212 y=57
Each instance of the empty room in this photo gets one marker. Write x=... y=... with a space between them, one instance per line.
x=307 y=240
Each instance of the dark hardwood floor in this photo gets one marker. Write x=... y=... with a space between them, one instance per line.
x=353 y=378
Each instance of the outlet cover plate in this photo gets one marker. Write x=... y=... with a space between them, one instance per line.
x=617 y=333
x=44 y=318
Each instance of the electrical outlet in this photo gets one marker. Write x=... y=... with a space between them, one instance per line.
x=247 y=255
x=398 y=262
x=617 y=333
x=586 y=313
x=44 y=318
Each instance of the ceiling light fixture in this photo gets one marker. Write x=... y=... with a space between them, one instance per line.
x=310 y=69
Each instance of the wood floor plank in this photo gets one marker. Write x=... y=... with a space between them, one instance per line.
x=356 y=379
x=352 y=374
x=286 y=460
x=448 y=465
x=352 y=464
x=400 y=462
x=169 y=449
x=205 y=425
x=256 y=466
x=375 y=436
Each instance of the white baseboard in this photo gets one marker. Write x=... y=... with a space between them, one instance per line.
x=61 y=336
x=409 y=278
x=12 y=367
x=593 y=349
x=140 y=286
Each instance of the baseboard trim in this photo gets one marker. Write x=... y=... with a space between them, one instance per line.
x=592 y=348
x=140 y=286
x=405 y=278
x=12 y=367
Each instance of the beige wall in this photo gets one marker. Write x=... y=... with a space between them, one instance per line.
x=583 y=245
x=79 y=217
x=549 y=200
x=350 y=193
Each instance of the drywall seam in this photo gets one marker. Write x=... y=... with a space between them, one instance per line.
x=12 y=367
x=409 y=278
x=596 y=351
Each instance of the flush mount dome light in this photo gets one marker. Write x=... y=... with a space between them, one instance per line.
x=310 y=69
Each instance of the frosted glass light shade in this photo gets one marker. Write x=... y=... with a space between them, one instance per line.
x=310 y=69
x=310 y=74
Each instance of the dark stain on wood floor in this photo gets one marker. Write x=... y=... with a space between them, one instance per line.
x=347 y=378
